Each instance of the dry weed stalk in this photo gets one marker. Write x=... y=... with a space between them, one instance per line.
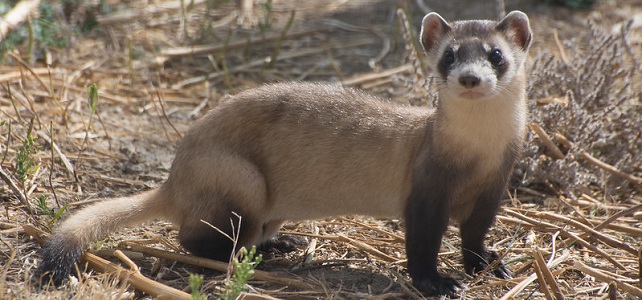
x=17 y=15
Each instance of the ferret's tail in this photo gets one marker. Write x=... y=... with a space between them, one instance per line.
x=90 y=224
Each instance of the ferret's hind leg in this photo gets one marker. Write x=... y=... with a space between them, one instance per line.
x=218 y=189
x=216 y=238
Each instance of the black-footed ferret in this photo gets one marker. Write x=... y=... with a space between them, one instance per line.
x=297 y=151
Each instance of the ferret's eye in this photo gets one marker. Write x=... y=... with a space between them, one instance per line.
x=448 y=58
x=496 y=58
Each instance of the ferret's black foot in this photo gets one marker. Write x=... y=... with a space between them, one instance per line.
x=475 y=263
x=438 y=285
x=282 y=243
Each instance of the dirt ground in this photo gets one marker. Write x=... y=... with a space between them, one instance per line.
x=152 y=85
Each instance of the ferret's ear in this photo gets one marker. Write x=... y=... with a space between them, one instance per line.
x=516 y=26
x=433 y=28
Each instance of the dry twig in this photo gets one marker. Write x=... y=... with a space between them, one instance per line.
x=145 y=12
x=63 y=157
x=600 y=164
x=358 y=244
x=280 y=279
x=17 y=15
x=589 y=232
x=549 y=279
x=134 y=278
x=204 y=49
x=12 y=185
x=548 y=227
x=261 y=62
x=546 y=140
x=601 y=276
x=360 y=79
x=524 y=283
x=5 y=270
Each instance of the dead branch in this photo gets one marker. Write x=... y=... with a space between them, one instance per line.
x=601 y=276
x=588 y=230
x=543 y=286
x=12 y=185
x=5 y=270
x=31 y=70
x=367 y=248
x=261 y=62
x=394 y=236
x=524 y=283
x=547 y=275
x=248 y=296
x=359 y=79
x=548 y=227
x=65 y=160
x=125 y=259
x=204 y=49
x=9 y=76
x=358 y=244
x=547 y=141
x=17 y=15
x=135 y=279
x=640 y=266
x=280 y=279
x=383 y=37
x=600 y=164
x=138 y=14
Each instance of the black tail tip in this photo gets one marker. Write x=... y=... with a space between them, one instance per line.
x=58 y=258
x=48 y=274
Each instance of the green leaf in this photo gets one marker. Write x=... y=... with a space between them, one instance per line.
x=92 y=90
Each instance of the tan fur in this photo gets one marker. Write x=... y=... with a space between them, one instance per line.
x=97 y=221
x=285 y=157
x=305 y=151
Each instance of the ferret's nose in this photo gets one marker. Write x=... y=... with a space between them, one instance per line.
x=469 y=81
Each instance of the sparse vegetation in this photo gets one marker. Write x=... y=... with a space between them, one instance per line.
x=25 y=162
x=44 y=209
x=266 y=23
x=243 y=271
x=583 y=4
x=46 y=30
x=195 y=283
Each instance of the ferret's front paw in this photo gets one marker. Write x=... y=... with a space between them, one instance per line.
x=475 y=263
x=438 y=285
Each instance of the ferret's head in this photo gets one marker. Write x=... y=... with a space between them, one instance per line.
x=476 y=60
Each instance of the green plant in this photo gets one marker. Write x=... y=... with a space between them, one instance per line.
x=92 y=92
x=277 y=47
x=580 y=4
x=41 y=204
x=195 y=282
x=25 y=165
x=92 y=95
x=266 y=24
x=243 y=272
x=44 y=209
x=45 y=31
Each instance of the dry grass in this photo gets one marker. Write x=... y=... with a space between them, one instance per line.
x=570 y=230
